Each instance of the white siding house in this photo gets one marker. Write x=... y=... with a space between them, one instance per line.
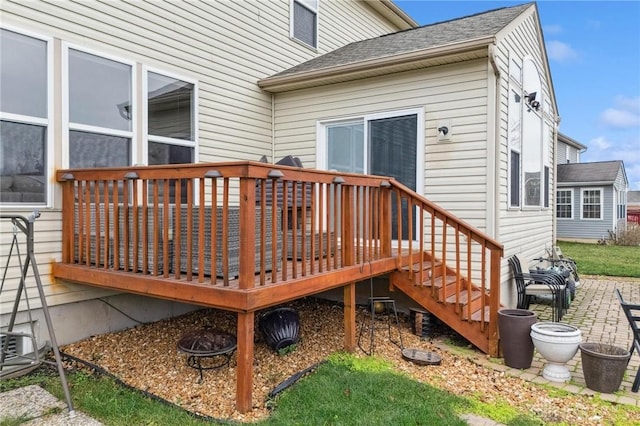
x=485 y=78
x=462 y=112
x=90 y=80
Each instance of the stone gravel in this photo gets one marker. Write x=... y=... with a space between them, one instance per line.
x=146 y=358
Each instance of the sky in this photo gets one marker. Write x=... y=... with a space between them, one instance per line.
x=593 y=49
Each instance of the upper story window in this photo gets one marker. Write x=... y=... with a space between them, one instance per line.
x=24 y=119
x=592 y=204
x=304 y=21
x=100 y=111
x=564 y=204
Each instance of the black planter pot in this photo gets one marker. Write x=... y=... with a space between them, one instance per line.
x=603 y=366
x=514 y=327
x=280 y=327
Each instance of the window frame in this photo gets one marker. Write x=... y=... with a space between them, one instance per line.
x=570 y=204
x=582 y=204
x=365 y=118
x=315 y=11
x=146 y=136
x=68 y=126
x=48 y=122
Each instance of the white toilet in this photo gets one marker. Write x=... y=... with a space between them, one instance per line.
x=557 y=343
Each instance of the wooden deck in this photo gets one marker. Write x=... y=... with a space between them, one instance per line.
x=245 y=236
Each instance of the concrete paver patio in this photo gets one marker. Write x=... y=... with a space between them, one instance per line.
x=597 y=313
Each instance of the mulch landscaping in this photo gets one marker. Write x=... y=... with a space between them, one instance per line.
x=146 y=357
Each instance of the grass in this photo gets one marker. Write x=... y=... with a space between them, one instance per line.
x=607 y=260
x=343 y=391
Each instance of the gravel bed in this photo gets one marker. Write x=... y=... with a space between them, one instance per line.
x=146 y=358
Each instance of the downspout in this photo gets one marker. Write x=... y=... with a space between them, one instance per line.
x=494 y=220
x=273 y=128
x=554 y=191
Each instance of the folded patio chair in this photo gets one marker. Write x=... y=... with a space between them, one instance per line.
x=532 y=284
x=632 y=312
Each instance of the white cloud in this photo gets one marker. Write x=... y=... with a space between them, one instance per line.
x=600 y=143
x=552 y=29
x=625 y=113
x=560 y=51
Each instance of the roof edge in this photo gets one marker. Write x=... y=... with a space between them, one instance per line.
x=569 y=141
x=393 y=13
x=278 y=83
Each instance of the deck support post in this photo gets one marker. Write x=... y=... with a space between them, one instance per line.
x=350 y=317
x=494 y=301
x=244 y=378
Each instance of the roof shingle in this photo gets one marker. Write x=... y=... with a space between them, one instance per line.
x=425 y=37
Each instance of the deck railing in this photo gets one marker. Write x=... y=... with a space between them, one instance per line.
x=247 y=223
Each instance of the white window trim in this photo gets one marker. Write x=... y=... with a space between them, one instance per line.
x=539 y=98
x=572 y=204
x=582 y=191
x=321 y=145
x=321 y=138
x=49 y=122
x=68 y=126
x=145 y=123
x=316 y=10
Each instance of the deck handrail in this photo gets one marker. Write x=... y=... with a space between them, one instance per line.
x=168 y=226
x=161 y=220
x=472 y=267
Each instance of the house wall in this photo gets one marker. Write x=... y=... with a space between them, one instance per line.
x=224 y=46
x=524 y=231
x=567 y=154
x=455 y=173
x=578 y=229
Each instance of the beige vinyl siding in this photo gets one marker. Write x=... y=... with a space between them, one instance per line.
x=522 y=231
x=454 y=171
x=226 y=46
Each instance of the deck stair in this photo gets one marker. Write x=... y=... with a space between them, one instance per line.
x=466 y=311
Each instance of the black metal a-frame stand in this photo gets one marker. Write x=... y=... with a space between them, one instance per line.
x=14 y=364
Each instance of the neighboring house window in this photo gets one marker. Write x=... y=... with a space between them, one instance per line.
x=100 y=112
x=304 y=22
x=591 y=204
x=564 y=204
x=24 y=119
x=622 y=204
x=381 y=144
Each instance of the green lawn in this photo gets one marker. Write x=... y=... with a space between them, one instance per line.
x=608 y=260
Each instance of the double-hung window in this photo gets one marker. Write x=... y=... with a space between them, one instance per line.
x=564 y=204
x=24 y=119
x=101 y=111
x=592 y=204
x=304 y=21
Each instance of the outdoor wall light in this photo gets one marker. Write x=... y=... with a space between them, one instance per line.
x=531 y=101
x=444 y=130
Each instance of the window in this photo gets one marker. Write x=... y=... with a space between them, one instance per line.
x=100 y=111
x=304 y=22
x=591 y=204
x=382 y=144
x=514 y=189
x=24 y=119
x=564 y=204
x=170 y=110
x=546 y=187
